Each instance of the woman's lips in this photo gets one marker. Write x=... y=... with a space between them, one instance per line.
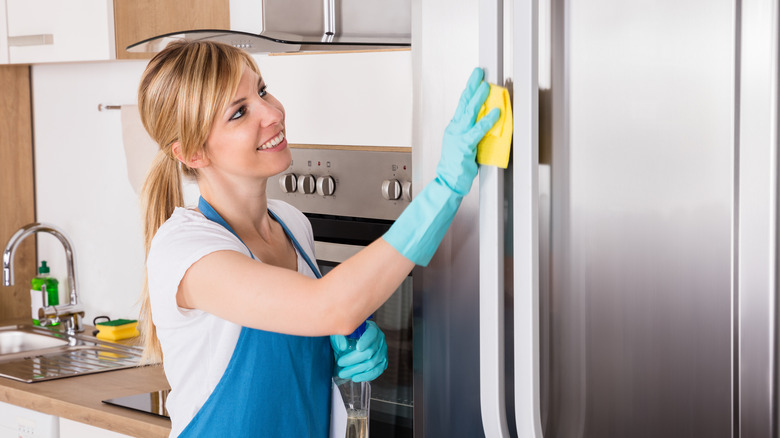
x=273 y=143
x=278 y=147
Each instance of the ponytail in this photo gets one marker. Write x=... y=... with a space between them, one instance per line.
x=161 y=193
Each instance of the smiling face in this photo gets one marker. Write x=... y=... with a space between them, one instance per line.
x=247 y=140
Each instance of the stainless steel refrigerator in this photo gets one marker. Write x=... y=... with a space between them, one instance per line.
x=620 y=278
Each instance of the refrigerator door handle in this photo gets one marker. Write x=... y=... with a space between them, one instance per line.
x=530 y=183
x=491 y=244
x=491 y=303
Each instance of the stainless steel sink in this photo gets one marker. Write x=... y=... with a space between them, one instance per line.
x=15 y=341
x=33 y=354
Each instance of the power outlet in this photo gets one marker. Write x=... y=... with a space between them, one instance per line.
x=25 y=427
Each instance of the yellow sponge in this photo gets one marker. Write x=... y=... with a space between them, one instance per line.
x=117 y=329
x=495 y=146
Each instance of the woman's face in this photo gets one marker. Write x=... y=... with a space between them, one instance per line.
x=248 y=139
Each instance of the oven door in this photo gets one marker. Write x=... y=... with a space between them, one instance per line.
x=391 y=393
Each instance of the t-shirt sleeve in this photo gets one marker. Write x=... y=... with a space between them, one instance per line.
x=180 y=242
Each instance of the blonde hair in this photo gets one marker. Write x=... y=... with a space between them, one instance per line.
x=182 y=91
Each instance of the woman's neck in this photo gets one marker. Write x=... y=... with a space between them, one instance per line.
x=245 y=208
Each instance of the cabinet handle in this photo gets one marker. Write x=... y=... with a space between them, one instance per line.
x=31 y=40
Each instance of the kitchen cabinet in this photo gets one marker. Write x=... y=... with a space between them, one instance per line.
x=74 y=429
x=96 y=30
x=137 y=20
x=16 y=421
x=17 y=197
x=58 y=31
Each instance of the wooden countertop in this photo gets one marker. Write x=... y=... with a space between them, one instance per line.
x=80 y=399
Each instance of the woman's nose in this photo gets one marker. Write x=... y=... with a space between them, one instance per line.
x=269 y=113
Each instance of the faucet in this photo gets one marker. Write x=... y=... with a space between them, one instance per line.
x=72 y=313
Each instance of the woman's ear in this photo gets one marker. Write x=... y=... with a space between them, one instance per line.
x=197 y=160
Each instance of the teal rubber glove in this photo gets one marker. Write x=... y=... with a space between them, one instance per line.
x=419 y=230
x=367 y=361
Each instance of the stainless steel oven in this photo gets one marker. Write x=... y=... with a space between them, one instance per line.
x=352 y=195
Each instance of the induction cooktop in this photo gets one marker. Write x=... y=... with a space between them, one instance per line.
x=148 y=402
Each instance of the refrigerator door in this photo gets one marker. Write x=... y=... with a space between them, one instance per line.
x=660 y=310
x=643 y=176
x=446 y=292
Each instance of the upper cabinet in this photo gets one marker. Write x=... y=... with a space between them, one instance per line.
x=57 y=31
x=137 y=20
x=43 y=31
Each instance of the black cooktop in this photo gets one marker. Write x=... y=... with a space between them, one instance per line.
x=149 y=402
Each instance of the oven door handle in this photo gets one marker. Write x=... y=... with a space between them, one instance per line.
x=335 y=252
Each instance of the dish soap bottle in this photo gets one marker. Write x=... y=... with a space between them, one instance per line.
x=44 y=292
x=356 y=395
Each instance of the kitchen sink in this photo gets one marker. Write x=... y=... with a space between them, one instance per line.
x=15 y=341
x=33 y=354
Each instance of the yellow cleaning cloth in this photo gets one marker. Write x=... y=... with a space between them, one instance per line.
x=495 y=146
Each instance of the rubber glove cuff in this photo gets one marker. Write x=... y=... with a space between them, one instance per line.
x=418 y=231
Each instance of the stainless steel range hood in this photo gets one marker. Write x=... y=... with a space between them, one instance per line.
x=311 y=25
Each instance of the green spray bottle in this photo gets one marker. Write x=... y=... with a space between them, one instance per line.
x=44 y=292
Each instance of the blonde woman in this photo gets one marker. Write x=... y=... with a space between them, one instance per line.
x=232 y=304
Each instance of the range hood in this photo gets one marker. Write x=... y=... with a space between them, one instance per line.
x=310 y=26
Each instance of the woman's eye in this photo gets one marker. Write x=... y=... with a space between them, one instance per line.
x=238 y=114
x=262 y=91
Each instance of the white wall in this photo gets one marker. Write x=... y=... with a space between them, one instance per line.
x=81 y=177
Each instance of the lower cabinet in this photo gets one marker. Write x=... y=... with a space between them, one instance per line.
x=74 y=429
x=18 y=422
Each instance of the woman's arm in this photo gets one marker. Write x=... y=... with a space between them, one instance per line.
x=234 y=287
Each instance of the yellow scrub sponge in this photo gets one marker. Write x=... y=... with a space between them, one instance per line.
x=117 y=329
x=495 y=146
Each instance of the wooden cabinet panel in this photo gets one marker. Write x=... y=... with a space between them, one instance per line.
x=136 y=20
x=17 y=184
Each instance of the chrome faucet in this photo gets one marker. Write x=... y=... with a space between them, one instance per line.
x=70 y=314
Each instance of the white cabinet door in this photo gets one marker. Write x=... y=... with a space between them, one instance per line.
x=74 y=429
x=59 y=31
x=18 y=422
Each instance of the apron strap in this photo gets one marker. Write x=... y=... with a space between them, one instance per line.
x=297 y=245
x=212 y=215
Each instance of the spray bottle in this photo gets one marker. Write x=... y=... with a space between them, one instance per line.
x=356 y=395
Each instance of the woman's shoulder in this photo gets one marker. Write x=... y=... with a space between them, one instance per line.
x=188 y=227
x=187 y=219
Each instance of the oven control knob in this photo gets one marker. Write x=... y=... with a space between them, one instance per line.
x=391 y=189
x=288 y=182
x=326 y=185
x=306 y=184
x=406 y=189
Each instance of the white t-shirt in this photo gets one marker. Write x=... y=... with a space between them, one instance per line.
x=197 y=346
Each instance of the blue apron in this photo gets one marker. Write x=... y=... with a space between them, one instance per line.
x=275 y=385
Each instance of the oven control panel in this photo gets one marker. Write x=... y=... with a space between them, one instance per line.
x=367 y=182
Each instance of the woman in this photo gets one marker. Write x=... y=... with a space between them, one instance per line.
x=232 y=302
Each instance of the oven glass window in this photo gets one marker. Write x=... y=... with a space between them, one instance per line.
x=391 y=393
